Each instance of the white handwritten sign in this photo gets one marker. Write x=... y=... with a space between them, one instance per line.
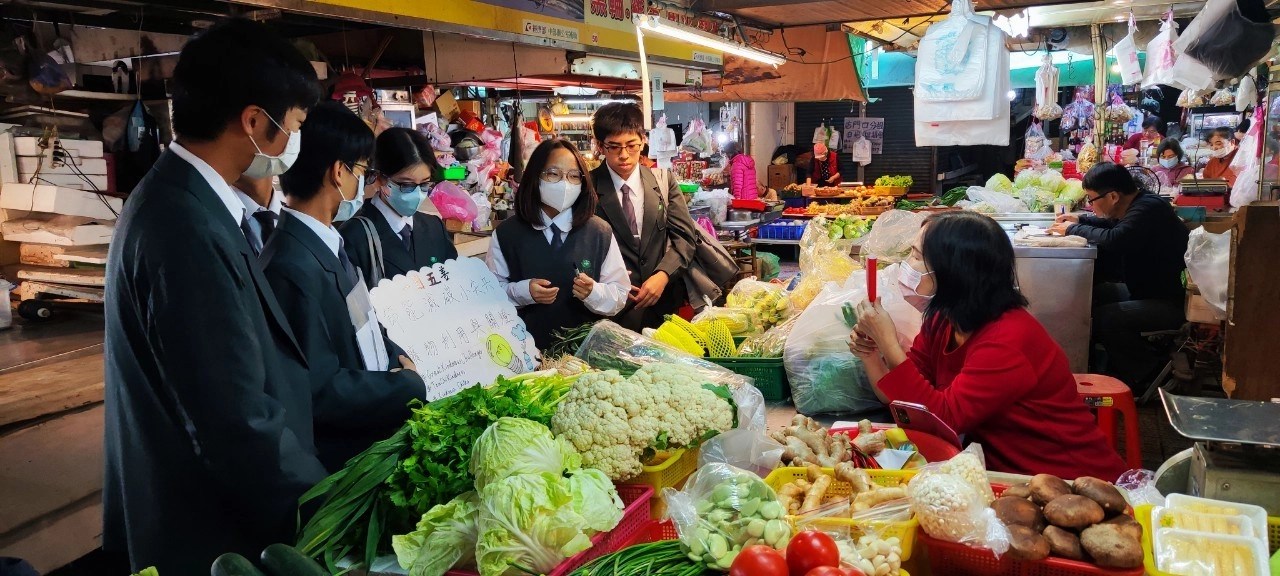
x=456 y=324
x=870 y=128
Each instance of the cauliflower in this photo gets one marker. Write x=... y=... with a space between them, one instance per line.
x=612 y=420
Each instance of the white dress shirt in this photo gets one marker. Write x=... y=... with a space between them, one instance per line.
x=328 y=234
x=608 y=296
x=637 y=195
x=220 y=187
x=394 y=219
x=252 y=207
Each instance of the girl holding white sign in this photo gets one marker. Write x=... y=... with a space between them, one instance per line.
x=558 y=262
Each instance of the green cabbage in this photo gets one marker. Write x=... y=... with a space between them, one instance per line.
x=1000 y=183
x=595 y=498
x=1026 y=180
x=444 y=538
x=528 y=525
x=1072 y=191
x=1052 y=181
x=513 y=446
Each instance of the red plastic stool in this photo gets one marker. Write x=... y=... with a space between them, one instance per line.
x=1108 y=395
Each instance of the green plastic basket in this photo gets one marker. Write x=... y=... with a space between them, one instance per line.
x=769 y=374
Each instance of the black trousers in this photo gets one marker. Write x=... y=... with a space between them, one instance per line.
x=1118 y=325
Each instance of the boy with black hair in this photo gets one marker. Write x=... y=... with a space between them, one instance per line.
x=358 y=399
x=209 y=437
x=648 y=215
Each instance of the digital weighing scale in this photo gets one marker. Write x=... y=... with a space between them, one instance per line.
x=1236 y=456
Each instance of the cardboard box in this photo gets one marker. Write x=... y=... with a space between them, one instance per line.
x=56 y=200
x=1198 y=310
x=472 y=106
x=781 y=175
x=447 y=105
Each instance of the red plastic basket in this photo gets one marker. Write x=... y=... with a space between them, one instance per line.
x=959 y=560
x=933 y=448
x=635 y=520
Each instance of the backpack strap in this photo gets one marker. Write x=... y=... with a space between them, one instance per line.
x=377 y=268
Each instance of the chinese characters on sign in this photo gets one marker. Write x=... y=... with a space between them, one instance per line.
x=870 y=128
x=456 y=324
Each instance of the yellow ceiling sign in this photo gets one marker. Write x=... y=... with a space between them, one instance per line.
x=603 y=23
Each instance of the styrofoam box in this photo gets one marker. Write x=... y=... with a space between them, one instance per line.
x=90 y=166
x=1192 y=553
x=30 y=146
x=1181 y=519
x=1255 y=513
x=58 y=231
x=56 y=200
x=92 y=183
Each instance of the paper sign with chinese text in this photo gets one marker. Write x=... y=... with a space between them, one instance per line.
x=455 y=322
x=870 y=128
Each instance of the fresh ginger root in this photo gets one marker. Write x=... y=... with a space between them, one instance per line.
x=858 y=479
x=872 y=443
x=813 y=499
x=873 y=498
x=790 y=497
x=864 y=427
x=808 y=442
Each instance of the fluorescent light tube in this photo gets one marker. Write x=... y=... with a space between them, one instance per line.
x=656 y=25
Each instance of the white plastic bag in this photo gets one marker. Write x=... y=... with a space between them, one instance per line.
x=891 y=238
x=662 y=141
x=721 y=510
x=1161 y=55
x=1127 y=57
x=994 y=132
x=952 y=59
x=1047 y=107
x=825 y=377
x=862 y=151
x=1246 y=93
x=1208 y=260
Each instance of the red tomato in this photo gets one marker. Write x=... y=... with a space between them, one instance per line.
x=811 y=549
x=827 y=571
x=758 y=560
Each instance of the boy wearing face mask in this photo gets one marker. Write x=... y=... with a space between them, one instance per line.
x=390 y=223
x=558 y=262
x=1222 y=150
x=360 y=382
x=209 y=438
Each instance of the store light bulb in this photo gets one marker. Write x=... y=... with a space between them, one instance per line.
x=1013 y=95
x=1115 y=68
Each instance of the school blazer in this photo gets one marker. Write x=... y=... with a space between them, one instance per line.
x=666 y=241
x=352 y=407
x=208 y=440
x=429 y=241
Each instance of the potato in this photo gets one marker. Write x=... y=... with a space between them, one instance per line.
x=1127 y=525
x=1020 y=511
x=1019 y=491
x=1110 y=546
x=1027 y=544
x=1104 y=493
x=1073 y=511
x=1045 y=488
x=1064 y=543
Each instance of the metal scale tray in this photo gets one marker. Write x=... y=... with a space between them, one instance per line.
x=1236 y=456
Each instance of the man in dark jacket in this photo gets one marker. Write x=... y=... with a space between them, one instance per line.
x=1143 y=233
x=650 y=221
x=208 y=408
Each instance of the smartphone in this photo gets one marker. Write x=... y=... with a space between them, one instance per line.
x=912 y=416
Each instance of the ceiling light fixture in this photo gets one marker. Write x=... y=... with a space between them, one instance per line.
x=1017 y=26
x=652 y=24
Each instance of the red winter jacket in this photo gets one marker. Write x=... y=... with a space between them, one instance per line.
x=742 y=178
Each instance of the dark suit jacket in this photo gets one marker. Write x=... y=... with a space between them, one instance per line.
x=429 y=242
x=353 y=407
x=666 y=242
x=208 y=407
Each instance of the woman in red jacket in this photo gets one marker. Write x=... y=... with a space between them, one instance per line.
x=981 y=363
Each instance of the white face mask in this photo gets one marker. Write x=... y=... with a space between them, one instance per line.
x=265 y=165
x=347 y=208
x=559 y=196
x=1169 y=162
x=908 y=282
x=1221 y=152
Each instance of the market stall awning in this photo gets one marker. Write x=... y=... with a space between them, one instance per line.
x=786 y=13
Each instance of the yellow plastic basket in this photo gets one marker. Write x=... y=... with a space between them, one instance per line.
x=671 y=473
x=904 y=531
x=1273 y=533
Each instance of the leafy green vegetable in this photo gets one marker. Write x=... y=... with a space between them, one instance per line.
x=908 y=205
x=664 y=558
x=445 y=538
x=905 y=181
x=1000 y=183
x=595 y=499
x=518 y=446
x=149 y=571
x=528 y=524
x=955 y=195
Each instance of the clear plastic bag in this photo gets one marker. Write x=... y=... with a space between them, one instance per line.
x=1208 y=262
x=718 y=200
x=724 y=509
x=698 y=138
x=891 y=238
x=744 y=448
x=611 y=347
x=1035 y=141
x=770 y=344
x=740 y=322
x=869 y=549
x=769 y=303
x=949 y=506
x=1140 y=488
x=1192 y=98
x=1223 y=96
x=822 y=260
x=825 y=377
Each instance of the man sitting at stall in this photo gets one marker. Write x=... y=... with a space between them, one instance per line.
x=1143 y=232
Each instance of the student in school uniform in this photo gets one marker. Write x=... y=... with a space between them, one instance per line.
x=262 y=203
x=557 y=260
x=360 y=383
x=648 y=215
x=408 y=239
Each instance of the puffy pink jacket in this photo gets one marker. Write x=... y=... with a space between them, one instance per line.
x=742 y=173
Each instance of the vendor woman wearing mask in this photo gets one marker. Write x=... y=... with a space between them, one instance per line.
x=1173 y=165
x=409 y=240
x=1222 y=150
x=982 y=363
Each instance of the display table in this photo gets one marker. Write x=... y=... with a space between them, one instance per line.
x=51 y=435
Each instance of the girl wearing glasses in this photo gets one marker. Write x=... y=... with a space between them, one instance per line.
x=559 y=263
x=406 y=169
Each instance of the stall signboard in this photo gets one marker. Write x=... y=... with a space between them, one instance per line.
x=602 y=23
x=455 y=323
x=870 y=128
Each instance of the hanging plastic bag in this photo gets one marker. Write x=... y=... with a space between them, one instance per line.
x=1245 y=190
x=1246 y=93
x=698 y=138
x=1161 y=55
x=1223 y=96
x=862 y=151
x=1117 y=110
x=1047 y=107
x=1208 y=264
x=953 y=56
x=453 y=202
x=721 y=509
x=1248 y=149
x=1035 y=141
x=662 y=141
x=1127 y=56
x=1233 y=42
x=1192 y=98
